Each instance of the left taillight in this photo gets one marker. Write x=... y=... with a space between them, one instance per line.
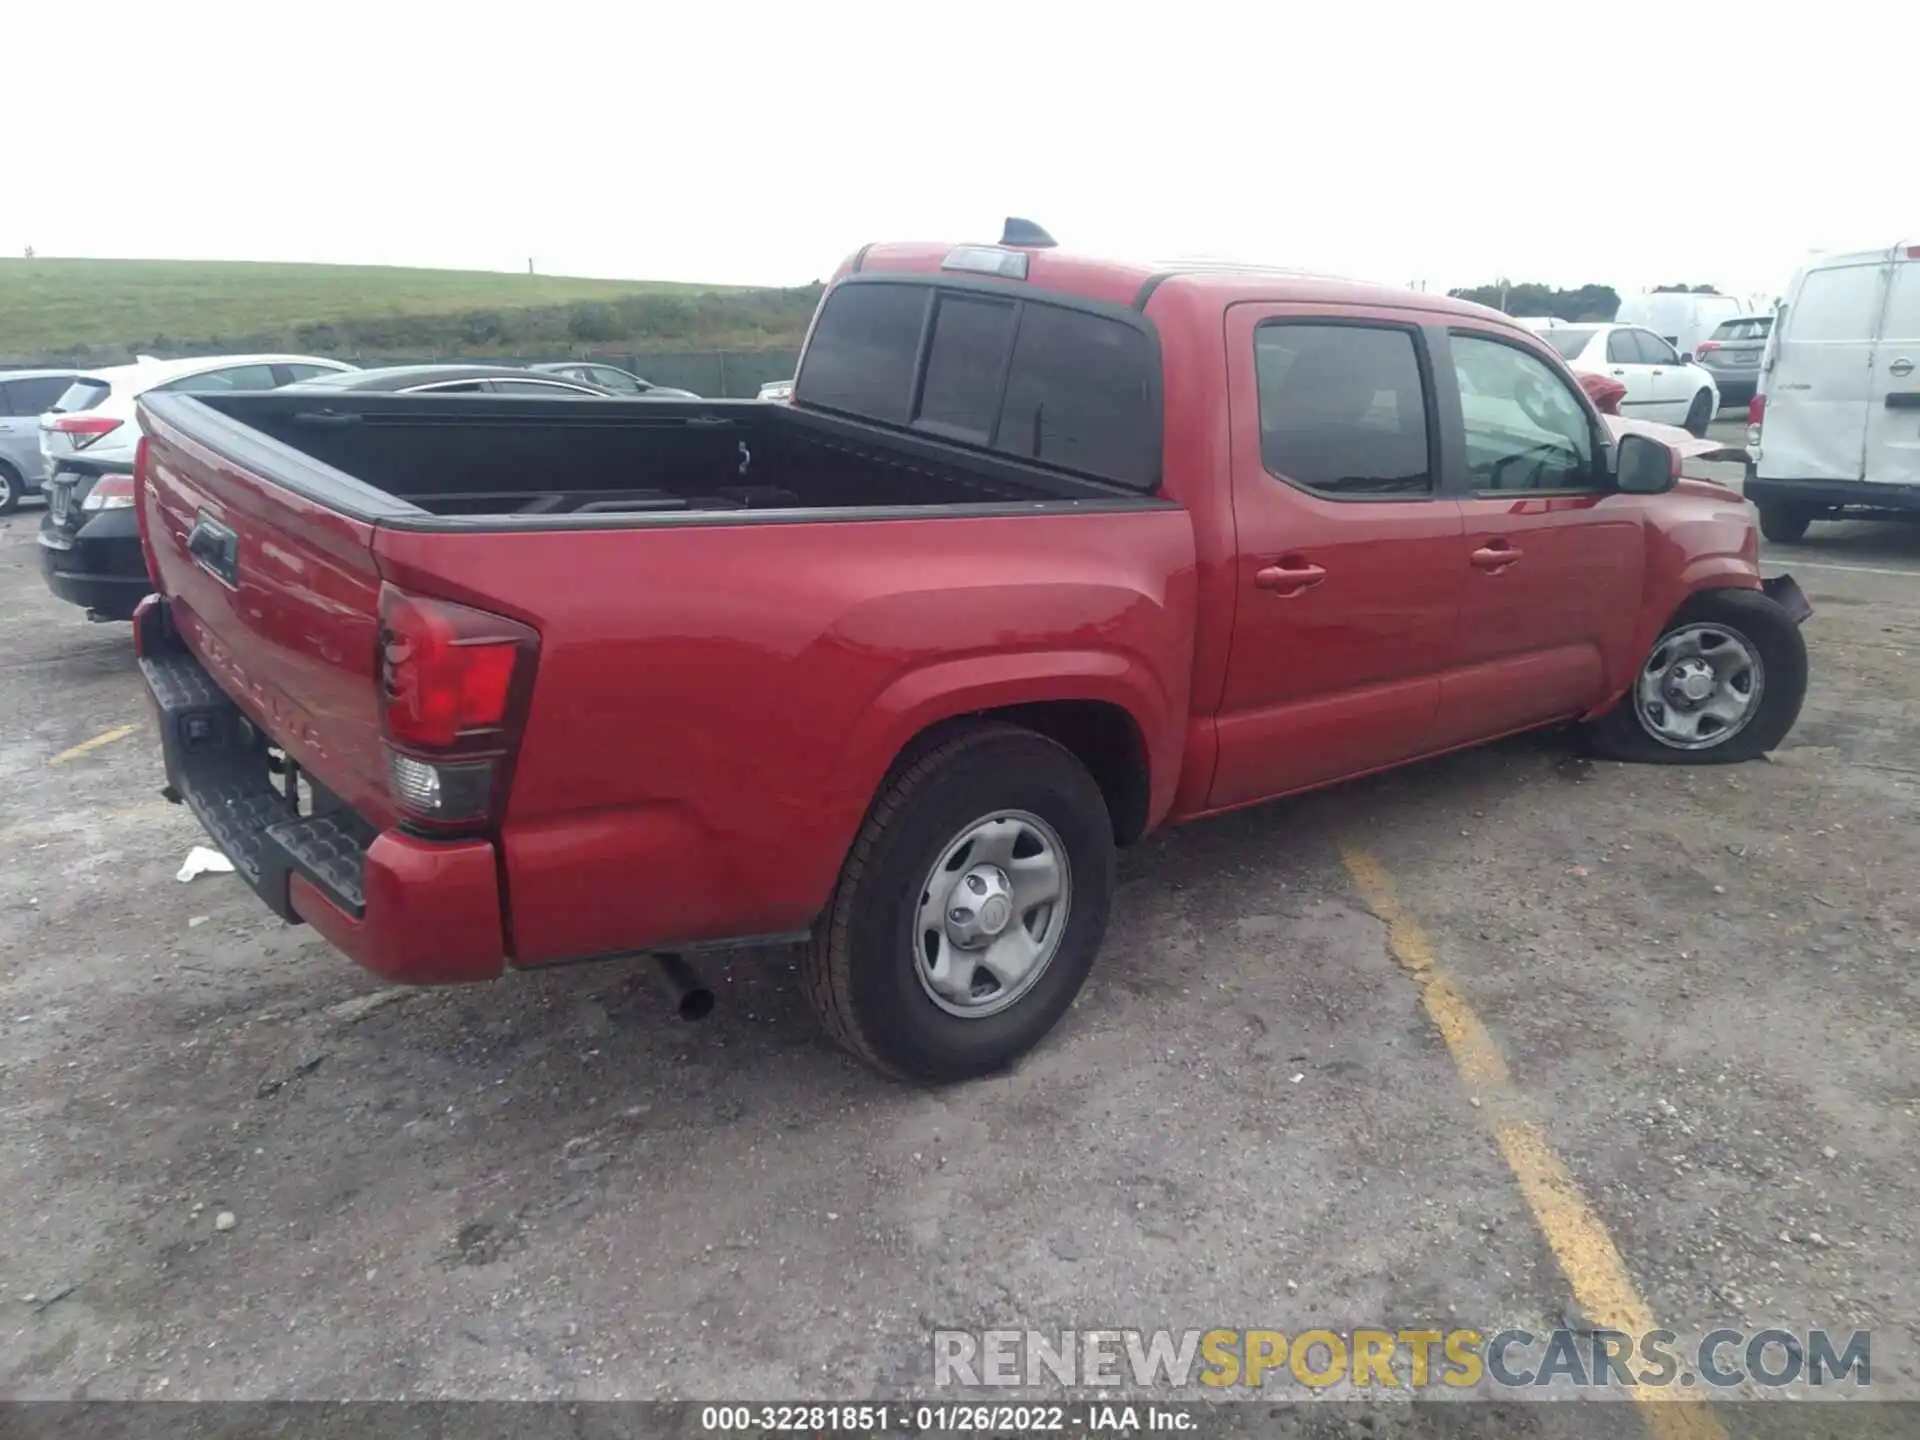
x=454 y=683
x=83 y=431
x=110 y=492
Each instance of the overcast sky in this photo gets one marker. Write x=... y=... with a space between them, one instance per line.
x=733 y=143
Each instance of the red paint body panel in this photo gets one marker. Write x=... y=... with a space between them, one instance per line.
x=698 y=757
x=432 y=911
x=715 y=706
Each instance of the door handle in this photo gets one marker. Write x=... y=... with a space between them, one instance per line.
x=1901 y=368
x=1619 y=372
x=1289 y=577
x=1496 y=556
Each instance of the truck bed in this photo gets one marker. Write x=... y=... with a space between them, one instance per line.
x=519 y=461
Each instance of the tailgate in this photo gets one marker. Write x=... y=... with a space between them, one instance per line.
x=274 y=591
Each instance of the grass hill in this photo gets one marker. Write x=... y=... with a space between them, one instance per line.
x=99 y=311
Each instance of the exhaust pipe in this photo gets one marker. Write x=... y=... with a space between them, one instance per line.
x=691 y=999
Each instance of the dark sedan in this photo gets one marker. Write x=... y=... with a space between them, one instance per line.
x=90 y=550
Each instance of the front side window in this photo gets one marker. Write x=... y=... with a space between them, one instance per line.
x=310 y=372
x=1525 y=428
x=1343 y=410
x=1654 y=350
x=608 y=378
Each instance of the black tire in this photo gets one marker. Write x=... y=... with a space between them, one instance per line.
x=11 y=488
x=1620 y=734
x=860 y=970
x=1700 y=415
x=1784 y=524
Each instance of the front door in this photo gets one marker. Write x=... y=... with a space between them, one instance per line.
x=1633 y=366
x=1551 y=558
x=1349 y=568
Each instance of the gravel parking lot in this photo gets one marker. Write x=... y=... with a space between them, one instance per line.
x=1703 y=983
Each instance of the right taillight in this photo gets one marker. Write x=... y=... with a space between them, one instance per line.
x=453 y=690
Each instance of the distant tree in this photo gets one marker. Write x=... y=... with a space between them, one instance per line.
x=1686 y=289
x=1589 y=302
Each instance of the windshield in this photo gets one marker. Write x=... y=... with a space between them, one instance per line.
x=1747 y=327
x=83 y=394
x=1569 y=341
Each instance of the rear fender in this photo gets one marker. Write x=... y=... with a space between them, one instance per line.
x=947 y=690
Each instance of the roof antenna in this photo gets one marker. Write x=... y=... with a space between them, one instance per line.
x=1026 y=233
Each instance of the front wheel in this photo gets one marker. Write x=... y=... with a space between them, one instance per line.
x=1723 y=683
x=1700 y=415
x=970 y=908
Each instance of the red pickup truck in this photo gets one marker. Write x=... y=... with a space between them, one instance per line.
x=1045 y=552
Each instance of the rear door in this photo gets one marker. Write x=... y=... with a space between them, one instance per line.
x=1673 y=383
x=1893 y=402
x=1551 y=558
x=1820 y=387
x=1349 y=566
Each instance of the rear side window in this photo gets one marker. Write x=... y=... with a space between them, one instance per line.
x=1023 y=377
x=1343 y=409
x=32 y=397
x=1836 y=304
x=82 y=394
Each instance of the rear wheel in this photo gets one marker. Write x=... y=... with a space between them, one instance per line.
x=1700 y=415
x=1783 y=523
x=970 y=909
x=1723 y=683
x=10 y=488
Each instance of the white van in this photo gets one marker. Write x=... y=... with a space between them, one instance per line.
x=1835 y=425
x=1680 y=318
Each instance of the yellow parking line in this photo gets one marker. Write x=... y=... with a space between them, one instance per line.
x=1580 y=1242
x=87 y=747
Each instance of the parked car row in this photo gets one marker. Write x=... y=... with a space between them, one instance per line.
x=71 y=434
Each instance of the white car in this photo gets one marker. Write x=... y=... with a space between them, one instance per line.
x=1661 y=383
x=91 y=431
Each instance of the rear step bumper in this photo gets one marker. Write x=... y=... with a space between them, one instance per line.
x=415 y=911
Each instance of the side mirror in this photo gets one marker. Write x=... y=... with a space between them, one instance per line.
x=1686 y=357
x=1644 y=467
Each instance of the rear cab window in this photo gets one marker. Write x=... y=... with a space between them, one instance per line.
x=1031 y=377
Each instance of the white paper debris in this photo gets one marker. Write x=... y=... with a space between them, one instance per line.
x=202 y=861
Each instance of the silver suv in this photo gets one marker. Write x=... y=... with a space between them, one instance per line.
x=25 y=395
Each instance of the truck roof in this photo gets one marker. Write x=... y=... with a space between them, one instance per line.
x=1131 y=284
